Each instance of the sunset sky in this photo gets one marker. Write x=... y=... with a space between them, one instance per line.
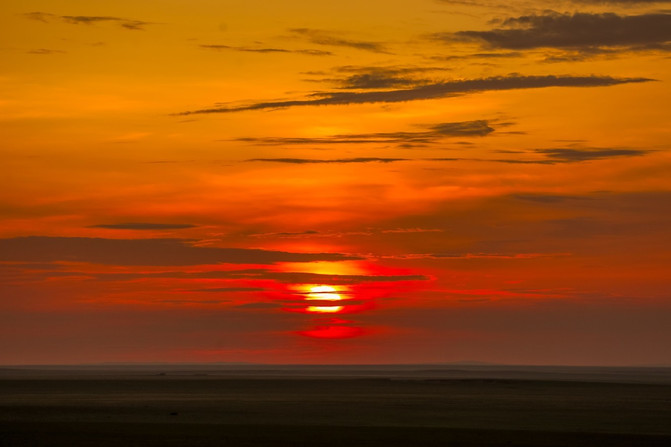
x=367 y=181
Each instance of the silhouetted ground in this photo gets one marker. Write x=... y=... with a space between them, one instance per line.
x=332 y=407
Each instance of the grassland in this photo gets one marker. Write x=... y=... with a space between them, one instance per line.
x=447 y=406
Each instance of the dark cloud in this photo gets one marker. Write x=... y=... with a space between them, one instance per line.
x=587 y=53
x=266 y=50
x=260 y=306
x=634 y=215
x=581 y=55
x=509 y=54
x=339 y=234
x=32 y=265
x=90 y=20
x=462 y=256
x=192 y=301
x=302 y=161
x=552 y=156
x=159 y=252
x=130 y=24
x=569 y=155
x=547 y=198
x=528 y=226
x=40 y=16
x=230 y=290
x=519 y=162
x=377 y=80
x=430 y=91
x=143 y=226
x=45 y=51
x=317 y=278
x=246 y=275
x=562 y=155
x=462 y=129
x=436 y=132
x=288 y=234
x=320 y=37
x=588 y=227
x=578 y=31
x=371 y=78
x=621 y=2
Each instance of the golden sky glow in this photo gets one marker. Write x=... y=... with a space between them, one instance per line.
x=196 y=181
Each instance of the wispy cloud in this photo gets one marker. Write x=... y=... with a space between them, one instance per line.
x=256 y=274
x=339 y=234
x=259 y=306
x=300 y=234
x=436 y=132
x=230 y=290
x=129 y=24
x=551 y=156
x=303 y=161
x=265 y=50
x=158 y=252
x=493 y=55
x=40 y=16
x=462 y=256
x=307 y=278
x=621 y=2
x=570 y=155
x=430 y=91
x=548 y=198
x=45 y=51
x=320 y=37
x=379 y=77
x=143 y=226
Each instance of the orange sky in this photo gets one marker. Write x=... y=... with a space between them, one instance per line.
x=354 y=182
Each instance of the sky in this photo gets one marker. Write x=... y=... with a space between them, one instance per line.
x=397 y=181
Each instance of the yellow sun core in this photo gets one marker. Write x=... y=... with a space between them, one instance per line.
x=324 y=293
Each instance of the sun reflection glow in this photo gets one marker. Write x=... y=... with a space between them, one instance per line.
x=333 y=332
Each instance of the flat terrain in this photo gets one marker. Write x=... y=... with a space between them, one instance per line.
x=474 y=406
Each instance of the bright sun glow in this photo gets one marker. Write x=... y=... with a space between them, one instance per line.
x=324 y=293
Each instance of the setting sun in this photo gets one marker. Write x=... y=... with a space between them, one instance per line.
x=324 y=293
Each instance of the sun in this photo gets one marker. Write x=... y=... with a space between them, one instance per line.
x=324 y=293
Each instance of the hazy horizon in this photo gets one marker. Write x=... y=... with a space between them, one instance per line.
x=336 y=365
